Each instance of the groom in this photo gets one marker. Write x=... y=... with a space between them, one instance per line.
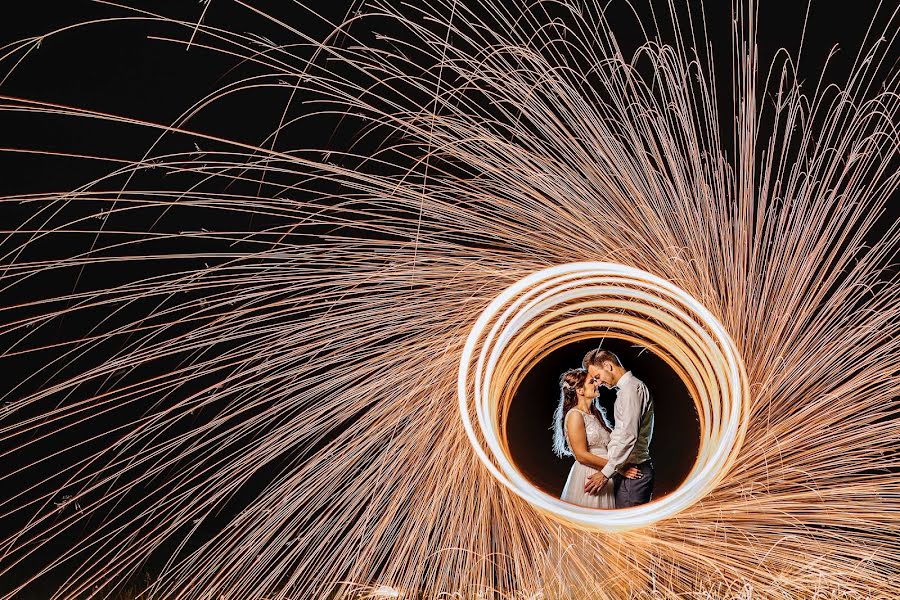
x=629 y=443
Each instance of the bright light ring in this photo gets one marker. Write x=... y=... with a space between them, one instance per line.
x=580 y=300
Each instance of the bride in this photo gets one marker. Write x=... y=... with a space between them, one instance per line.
x=579 y=431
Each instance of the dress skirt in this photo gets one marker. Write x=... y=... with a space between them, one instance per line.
x=574 y=490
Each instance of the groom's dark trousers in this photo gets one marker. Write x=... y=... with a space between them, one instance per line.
x=633 y=492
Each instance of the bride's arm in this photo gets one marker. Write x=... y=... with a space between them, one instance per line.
x=578 y=442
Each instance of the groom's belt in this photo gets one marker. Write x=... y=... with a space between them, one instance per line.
x=646 y=463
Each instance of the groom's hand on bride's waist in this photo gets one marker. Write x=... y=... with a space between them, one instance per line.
x=595 y=483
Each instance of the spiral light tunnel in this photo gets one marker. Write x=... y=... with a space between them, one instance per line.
x=566 y=303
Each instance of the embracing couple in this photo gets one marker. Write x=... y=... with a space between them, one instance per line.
x=612 y=468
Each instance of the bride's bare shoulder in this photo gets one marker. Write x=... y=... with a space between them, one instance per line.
x=575 y=415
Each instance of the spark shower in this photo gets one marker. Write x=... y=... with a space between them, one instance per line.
x=269 y=408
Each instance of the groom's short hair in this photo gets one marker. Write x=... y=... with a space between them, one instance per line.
x=598 y=356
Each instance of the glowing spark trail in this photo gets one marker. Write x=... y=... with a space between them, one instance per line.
x=563 y=304
x=318 y=350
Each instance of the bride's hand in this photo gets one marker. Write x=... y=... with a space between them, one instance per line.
x=632 y=473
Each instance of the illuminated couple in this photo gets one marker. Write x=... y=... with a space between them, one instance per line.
x=612 y=468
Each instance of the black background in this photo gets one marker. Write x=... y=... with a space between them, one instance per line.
x=676 y=435
x=116 y=67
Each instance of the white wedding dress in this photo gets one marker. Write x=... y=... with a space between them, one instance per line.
x=597 y=439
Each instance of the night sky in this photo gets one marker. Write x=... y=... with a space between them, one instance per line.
x=676 y=435
x=117 y=68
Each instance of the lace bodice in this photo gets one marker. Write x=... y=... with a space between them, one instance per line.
x=597 y=435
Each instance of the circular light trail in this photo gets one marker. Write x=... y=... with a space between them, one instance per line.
x=567 y=303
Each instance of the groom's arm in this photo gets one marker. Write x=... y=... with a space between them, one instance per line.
x=624 y=436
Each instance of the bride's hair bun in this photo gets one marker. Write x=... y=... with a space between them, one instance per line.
x=572 y=379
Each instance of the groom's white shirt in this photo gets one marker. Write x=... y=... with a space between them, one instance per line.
x=629 y=442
